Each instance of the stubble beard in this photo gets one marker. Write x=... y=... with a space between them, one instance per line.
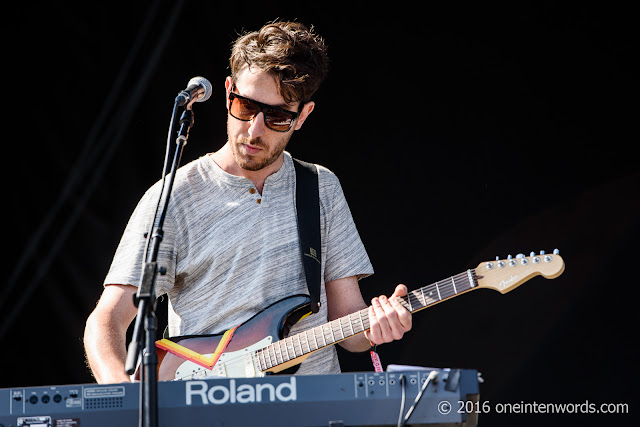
x=264 y=158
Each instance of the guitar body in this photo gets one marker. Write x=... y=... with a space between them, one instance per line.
x=270 y=325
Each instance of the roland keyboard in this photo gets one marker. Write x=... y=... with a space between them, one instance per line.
x=348 y=399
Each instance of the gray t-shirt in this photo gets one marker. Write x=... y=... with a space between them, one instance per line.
x=230 y=251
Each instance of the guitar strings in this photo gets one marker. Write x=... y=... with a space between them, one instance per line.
x=329 y=331
x=444 y=289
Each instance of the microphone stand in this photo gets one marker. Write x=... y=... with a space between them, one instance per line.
x=145 y=298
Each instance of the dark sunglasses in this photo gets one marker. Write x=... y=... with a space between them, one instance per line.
x=246 y=109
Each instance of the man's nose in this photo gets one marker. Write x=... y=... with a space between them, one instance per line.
x=257 y=126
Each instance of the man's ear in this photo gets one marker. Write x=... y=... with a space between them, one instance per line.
x=228 y=85
x=306 y=110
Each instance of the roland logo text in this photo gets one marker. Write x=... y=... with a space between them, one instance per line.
x=199 y=392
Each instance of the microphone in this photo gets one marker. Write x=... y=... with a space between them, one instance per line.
x=198 y=90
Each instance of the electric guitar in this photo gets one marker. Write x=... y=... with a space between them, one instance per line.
x=261 y=345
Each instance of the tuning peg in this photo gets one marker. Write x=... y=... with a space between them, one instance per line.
x=497 y=258
x=519 y=256
x=556 y=251
x=532 y=254
x=542 y=252
x=509 y=257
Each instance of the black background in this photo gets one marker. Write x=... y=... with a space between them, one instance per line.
x=460 y=133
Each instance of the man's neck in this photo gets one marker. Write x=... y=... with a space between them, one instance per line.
x=225 y=160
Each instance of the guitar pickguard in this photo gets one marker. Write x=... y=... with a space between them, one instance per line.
x=233 y=364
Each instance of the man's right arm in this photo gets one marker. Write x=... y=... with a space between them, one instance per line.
x=105 y=333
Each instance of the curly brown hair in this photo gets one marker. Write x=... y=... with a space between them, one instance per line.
x=292 y=53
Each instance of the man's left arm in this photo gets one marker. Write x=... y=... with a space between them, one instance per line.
x=388 y=319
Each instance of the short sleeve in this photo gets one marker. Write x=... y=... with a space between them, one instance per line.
x=345 y=253
x=127 y=264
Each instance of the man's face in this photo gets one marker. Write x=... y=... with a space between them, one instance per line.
x=255 y=146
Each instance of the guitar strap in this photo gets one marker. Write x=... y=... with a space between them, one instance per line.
x=308 y=213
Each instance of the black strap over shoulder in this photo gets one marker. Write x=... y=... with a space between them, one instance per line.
x=308 y=211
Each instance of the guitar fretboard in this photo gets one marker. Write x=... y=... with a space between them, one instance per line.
x=348 y=326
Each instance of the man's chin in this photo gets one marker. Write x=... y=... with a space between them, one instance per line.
x=257 y=161
x=252 y=166
x=251 y=163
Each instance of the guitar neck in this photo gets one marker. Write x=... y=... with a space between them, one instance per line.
x=436 y=292
x=303 y=343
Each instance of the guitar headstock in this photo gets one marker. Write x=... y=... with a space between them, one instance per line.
x=504 y=275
